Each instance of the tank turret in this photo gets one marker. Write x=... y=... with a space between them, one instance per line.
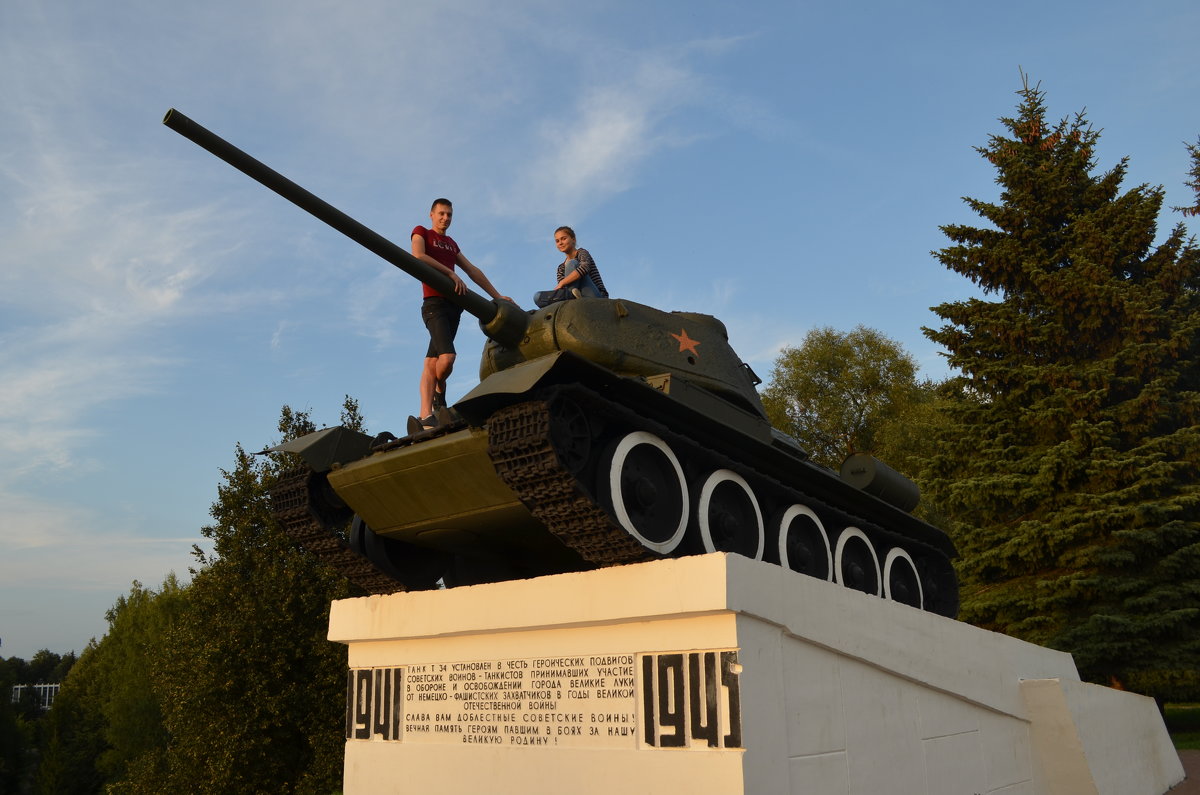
x=602 y=432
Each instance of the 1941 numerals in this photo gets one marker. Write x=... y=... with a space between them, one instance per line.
x=691 y=699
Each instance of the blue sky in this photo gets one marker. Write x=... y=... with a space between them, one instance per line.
x=781 y=165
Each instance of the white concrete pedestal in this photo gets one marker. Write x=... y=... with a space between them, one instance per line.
x=717 y=674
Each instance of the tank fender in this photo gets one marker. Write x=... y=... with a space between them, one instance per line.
x=324 y=449
x=505 y=386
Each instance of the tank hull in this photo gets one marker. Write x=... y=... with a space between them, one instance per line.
x=560 y=465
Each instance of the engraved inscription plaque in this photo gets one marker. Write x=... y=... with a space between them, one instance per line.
x=678 y=699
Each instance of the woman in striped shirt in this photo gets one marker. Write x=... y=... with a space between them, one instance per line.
x=578 y=276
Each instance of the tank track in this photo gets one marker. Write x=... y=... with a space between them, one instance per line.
x=531 y=452
x=523 y=450
x=294 y=501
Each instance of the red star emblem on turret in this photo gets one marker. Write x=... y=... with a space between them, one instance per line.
x=686 y=343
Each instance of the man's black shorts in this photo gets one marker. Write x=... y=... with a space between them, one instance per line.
x=441 y=318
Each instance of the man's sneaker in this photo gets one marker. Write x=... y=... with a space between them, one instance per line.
x=575 y=292
x=439 y=401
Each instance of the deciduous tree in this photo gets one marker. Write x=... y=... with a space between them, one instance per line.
x=15 y=732
x=73 y=733
x=252 y=692
x=838 y=393
x=106 y=719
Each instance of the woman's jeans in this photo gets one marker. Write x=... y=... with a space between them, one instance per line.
x=585 y=285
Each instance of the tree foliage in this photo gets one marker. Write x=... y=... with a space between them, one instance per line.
x=44 y=667
x=1071 y=464
x=106 y=720
x=15 y=732
x=1193 y=181
x=224 y=685
x=22 y=722
x=844 y=392
x=73 y=739
x=252 y=691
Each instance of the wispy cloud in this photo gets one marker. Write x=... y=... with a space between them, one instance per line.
x=89 y=271
x=93 y=561
x=593 y=151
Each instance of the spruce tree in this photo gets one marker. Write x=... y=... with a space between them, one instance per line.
x=1070 y=469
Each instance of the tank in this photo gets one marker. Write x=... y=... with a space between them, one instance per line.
x=602 y=432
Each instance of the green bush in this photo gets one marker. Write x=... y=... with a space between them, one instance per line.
x=1183 y=722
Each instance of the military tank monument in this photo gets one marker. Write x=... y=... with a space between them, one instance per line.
x=602 y=432
x=625 y=450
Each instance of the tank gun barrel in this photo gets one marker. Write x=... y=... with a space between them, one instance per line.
x=501 y=321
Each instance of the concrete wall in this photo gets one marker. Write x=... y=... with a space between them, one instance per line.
x=839 y=692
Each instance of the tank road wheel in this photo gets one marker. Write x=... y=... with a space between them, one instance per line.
x=804 y=544
x=901 y=582
x=855 y=562
x=939 y=586
x=648 y=491
x=728 y=515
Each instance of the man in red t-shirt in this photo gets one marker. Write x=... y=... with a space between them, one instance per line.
x=441 y=317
